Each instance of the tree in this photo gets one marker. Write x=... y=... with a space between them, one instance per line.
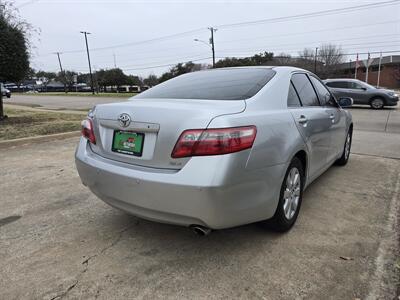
x=134 y=80
x=151 y=80
x=66 y=77
x=260 y=59
x=46 y=75
x=330 y=57
x=283 y=59
x=14 y=56
x=179 y=69
x=306 y=59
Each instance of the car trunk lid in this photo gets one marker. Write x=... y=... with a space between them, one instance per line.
x=160 y=123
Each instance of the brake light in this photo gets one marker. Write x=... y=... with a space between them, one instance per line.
x=199 y=142
x=87 y=130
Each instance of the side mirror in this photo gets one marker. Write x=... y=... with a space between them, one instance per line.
x=345 y=102
x=364 y=88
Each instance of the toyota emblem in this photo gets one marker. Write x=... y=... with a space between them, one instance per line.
x=124 y=120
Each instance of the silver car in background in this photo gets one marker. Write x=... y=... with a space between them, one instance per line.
x=216 y=149
x=362 y=92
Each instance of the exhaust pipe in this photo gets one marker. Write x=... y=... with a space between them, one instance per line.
x=200 y=230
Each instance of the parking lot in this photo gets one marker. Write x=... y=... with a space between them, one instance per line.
x=60 y=102
x=57 y=240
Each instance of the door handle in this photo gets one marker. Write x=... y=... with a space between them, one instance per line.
x=302 y=119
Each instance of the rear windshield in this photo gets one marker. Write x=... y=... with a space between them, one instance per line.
x=223 y=84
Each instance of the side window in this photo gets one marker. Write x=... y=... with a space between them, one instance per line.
x=338 y=84
x=293 y=100
x=324 y=95
x=306 y=92
x=355 y=86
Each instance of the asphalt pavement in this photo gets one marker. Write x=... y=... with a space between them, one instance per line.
x=60 y=102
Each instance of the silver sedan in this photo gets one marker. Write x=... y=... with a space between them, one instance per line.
x=217 y=148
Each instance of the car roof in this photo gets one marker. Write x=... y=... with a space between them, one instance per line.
x=275 y=68
x=341 y=79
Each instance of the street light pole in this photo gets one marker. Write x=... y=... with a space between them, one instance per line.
x=62 y=71
x=88 y=56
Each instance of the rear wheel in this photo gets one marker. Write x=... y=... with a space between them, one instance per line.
x=290 y=198
x=346 y=150
x=377 y=103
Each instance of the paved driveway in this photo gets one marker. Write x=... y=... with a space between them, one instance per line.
x=57 y=240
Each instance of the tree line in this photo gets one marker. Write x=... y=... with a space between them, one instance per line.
x=325 y=64
x=15 y=35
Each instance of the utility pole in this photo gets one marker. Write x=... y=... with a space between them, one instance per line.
x=367 y=65
x=356 y=67
x=315 y=61
x=350 y=61
x=88 y=56
x=115 y=61
x=62 y=71
x=379 y=70
x=212 y=44
x=2 y=116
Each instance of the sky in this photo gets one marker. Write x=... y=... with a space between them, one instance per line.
x=122 y=31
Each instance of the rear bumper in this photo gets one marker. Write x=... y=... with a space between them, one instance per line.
x=215 y=191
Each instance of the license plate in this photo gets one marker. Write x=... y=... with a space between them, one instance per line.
x=128 y=142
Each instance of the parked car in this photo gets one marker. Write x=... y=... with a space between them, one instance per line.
x=217 y=148
x=362 y=93
x=5 y=92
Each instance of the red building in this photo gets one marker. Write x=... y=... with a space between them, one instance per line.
x=389 y=71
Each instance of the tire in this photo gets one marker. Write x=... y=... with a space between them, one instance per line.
x=377 y=103
x=346 y=149
x=289 y=202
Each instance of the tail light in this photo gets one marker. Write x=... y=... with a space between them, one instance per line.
x=199 y=142
x=87 y=130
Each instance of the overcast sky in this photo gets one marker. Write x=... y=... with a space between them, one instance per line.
x=123 y=23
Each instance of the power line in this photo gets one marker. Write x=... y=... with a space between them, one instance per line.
x=172 y=36
x=308 y=32
x=187 y=58
x=126 y=68
x=271 y=20
x=283 y=46
x=313 y=14
x=166 y=65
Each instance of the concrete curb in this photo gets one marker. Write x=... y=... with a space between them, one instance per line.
x=38 y=139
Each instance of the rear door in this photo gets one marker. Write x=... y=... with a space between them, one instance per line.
x=358 y=93
x=312 y=120
x=337 y=126
x=339 y=88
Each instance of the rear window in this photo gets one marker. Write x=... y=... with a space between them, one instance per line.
x=223 y=84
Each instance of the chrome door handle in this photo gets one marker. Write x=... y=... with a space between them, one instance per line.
x=302 y=119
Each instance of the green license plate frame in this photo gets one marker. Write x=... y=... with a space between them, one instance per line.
x=128 y=142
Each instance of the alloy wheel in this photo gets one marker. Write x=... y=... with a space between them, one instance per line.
x=347 y=146
x=377 y=103
x=291 y=194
